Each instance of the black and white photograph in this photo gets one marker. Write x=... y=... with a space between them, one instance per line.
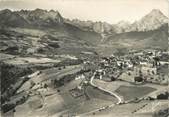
x=84 y=58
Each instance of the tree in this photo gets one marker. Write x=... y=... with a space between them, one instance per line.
x=7 y=107
x=163 y=96
x=153 y=72
x=148 y=71
x=59 y=68
x=32 y=83
x=156 y=60
x=45 y=85
x=113 y=78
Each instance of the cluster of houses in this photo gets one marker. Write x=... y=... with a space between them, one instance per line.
x=148 y=64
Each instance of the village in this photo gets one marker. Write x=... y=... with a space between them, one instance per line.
x=141 y=66
x=142 y=70
x=124 y=79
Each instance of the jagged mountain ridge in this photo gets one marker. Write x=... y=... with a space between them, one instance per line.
x=99 y=27
x=39 y=17
x=9 y=18
x=154 y=20
x=44 y=19
x=25 y=18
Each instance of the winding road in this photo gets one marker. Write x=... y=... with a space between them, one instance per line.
x=111 y=93
x=120 y=100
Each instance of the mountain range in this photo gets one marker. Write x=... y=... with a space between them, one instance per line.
x=153 y=20
x=25 y=18
x=75 y=35
x=39 y=17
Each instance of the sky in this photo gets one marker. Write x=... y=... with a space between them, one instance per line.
x=111 y=11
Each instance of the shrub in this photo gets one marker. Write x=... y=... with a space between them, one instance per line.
x=7 y=107
x=163 y=96
x=129 y=73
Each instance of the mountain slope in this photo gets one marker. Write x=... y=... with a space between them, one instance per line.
x=121 y=26
x=155 y=38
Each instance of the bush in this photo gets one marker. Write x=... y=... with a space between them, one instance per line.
x=7 y=107
x=129 y=73
x=59 y=68
x=163 y=96
x=153 y=72
x=45 y=85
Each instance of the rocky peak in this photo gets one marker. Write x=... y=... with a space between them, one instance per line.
x=151 y=21
x=5 y=11
x=9 y=18
x=40 y=17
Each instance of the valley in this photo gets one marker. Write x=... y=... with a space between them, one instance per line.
x=55 y=67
